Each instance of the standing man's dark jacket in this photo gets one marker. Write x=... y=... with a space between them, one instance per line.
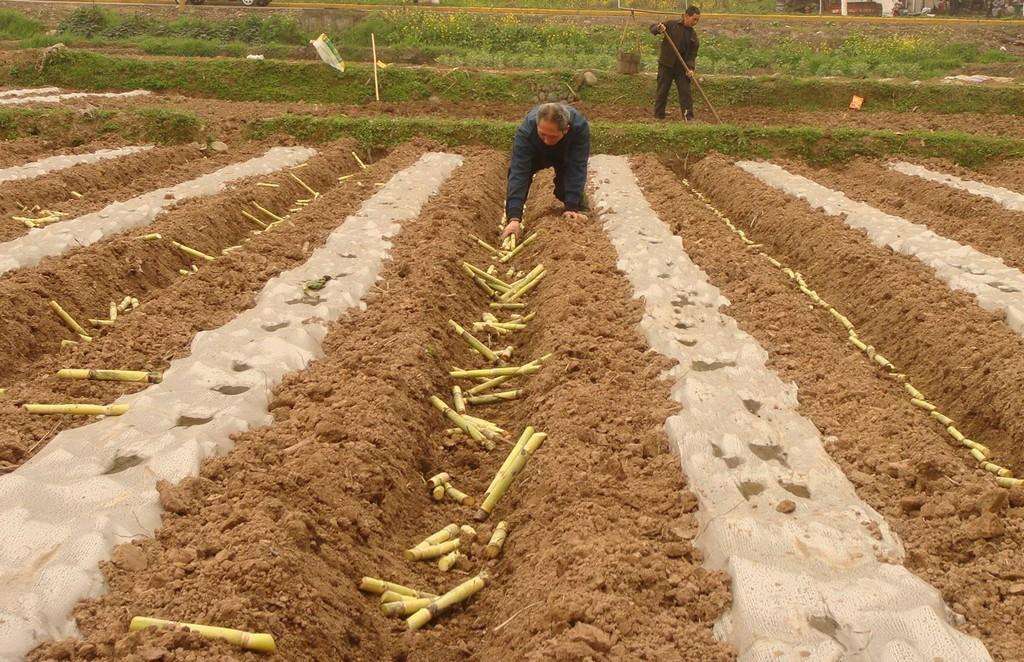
x=568 y=157
x=685 y=40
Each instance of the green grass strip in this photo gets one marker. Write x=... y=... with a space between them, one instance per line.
x=245 y=80
x=819 y=146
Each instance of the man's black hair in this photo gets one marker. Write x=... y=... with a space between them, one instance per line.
x=692 y=10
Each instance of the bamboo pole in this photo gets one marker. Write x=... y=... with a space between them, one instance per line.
x=376 y=84
x=110 y=375
x=256 y=641
x=460 y=593
x=69 y=320
x=77 y=410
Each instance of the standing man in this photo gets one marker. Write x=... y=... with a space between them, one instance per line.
x=553 y=135
x=670 y=69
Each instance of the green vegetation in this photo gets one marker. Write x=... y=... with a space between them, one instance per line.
x=15 y=25
x=814 y=145
x=244 y=80
x=157 y=125
x=487 y=41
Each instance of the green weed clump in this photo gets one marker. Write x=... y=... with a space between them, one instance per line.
x=15 y=25
x=94 y=21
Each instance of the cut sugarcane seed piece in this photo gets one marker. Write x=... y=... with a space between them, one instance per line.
x=922 y=404
x=514 y=464
x=438 y=480
x=446 y=562
x=438 y=537
x=527 y=369
x=979 y=455
x=359 y=160
x=457 y=400
x=267 y=212
x=68 y=343
x=459 y=594
x=518 y=249
x=458 y=496
x=254 y=219
x=955 y=433
x=457 y=419
x=68 y=320
x=945 y=420
x=505 y=305
x=470 y=340
x=96 y=322
x=405 y=608
x=267 y=185
x=492 y=398
x=304 y=185
x=77 y=410
x=437 y=493
x=77 y=194
x=184 y=272
x=467 y=530
x=1002 y=472
x=1009 y=482
x=153 y=236
x=429 y=552
x=256 y=641
x=113 y=312
x=379 y=586
x=193 y=252
x=497 y=540
x=391 y=596
x=857 y=343
x=914 y=393
x=111 y=375
x=483 y=243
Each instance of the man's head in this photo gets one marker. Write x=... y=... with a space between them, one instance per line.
x=552 y=123
x=691 y=16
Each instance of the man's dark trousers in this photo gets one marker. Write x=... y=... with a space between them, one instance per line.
x=541 y=163
x=666 y=76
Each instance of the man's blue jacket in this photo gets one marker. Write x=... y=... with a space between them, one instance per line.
x=568 y=158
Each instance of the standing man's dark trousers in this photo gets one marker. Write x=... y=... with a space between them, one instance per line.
x=666 y=75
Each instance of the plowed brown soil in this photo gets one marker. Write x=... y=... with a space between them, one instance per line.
x=965 y=360
x=955 y=525
x=174 y=308
x=275 y=535
x=969 y=219
x=105 y=182
x=1008 y=173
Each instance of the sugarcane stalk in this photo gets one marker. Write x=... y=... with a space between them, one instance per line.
x=471 y=340
x=77 y=410
x=446 y=562
x=518 y=249
x=254 y=219
x=955 y=433
x=527 y=369
x=457 y=400
x=184 y=272
x=193 y=252
x=973 y=445
x=68 y=320
x=304 y=185
x=1009 y=482
x=432 y=551
x=459 y=594
x=501 y=379
x=914 y=393
x=458 y=496
x=483 y=243
x=493 y=398
x=267 y=185
x=1002 y=472
x=945 y=420
x=379 y=586
x=497 y=540
x=979 y=455
x=391 y=596
x=527 y=287
x=68 y=343
x=359 y=160
x=504 y=304
x=503 y=480
x=255 y=641
x=125 y=304
x=491 y=279
x=482 y=424
x=96 y=322
x=457 y=419
x=922 y=404
x=438 y=537
x=153 y=236
x=113 y=312
x=110 y=375
x=405 y=608
x=467 y=530
x=482 y=284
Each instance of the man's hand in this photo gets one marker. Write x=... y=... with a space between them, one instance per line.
x=514 y=226
x=661 y=27
x=574 y=215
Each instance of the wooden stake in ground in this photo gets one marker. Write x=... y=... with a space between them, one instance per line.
x=376 y=85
